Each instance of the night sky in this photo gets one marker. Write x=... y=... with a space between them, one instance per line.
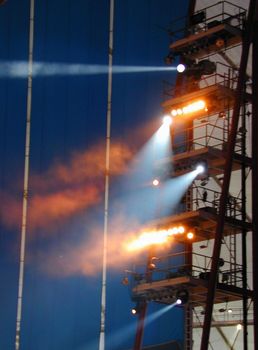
x=62 y=285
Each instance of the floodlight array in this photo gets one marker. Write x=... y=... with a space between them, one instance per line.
x=159 y=237
x=190 y=108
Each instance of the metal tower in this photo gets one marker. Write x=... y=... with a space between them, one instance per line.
x=214 y=107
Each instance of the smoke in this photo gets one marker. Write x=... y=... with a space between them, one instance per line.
x=66 y=189
x=85 y=256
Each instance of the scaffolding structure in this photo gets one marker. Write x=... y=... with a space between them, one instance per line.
x=213 y=106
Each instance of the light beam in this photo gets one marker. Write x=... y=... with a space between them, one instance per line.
x=19 y=69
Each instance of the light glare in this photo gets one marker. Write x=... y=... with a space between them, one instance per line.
x=200 y=169
x=154 y=238
x=134 y=311
x=190 y=235
x=191 y=108
x=180 y=68
x=167 y=120
x=155 y=182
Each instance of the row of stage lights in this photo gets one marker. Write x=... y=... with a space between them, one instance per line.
x=195 y=106
x=158 y=237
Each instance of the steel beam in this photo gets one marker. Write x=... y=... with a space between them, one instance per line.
x=255 y=170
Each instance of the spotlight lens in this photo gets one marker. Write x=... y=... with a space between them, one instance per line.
x=133 y=311
x=179 y=301
x=167 y=120
x=155 y=182
x=181 y=229
x=190 y=235
x=180 y=68
x=200 y=169
x=230 y=311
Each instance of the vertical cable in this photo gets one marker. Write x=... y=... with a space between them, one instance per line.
x=26 y=180
x=107 y=168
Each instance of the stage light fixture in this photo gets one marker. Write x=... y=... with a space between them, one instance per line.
x=167 y=120
x=180 y=68
x=190 y=108
x=149 y=238
x=151 y=266
x=182 y=297
x=200 y=168
x=190 y=235
x=155 y=182
x=134 y=310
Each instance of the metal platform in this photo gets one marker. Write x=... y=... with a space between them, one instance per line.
x=218 y=97
x=219 y=36
x=165 y=291
x=215 y=158
x=204 y=220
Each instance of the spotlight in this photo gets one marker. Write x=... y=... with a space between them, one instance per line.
x=180 y=68
x=207 y=67
x=200 y=168
x=230 y=311
x=137 y=308
x=182 y=297
x=239 y=327
x=167 y=120
x=190 y=108
x=151 y=266
x=134 y=310
x=220 y=43
x=155 y=182
x=190 y=235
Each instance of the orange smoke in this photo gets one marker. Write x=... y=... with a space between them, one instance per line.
x=85 y=257
x=66 y=189
x=88 y=165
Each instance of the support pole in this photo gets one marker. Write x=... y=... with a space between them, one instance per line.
x=25 y=182
x=227 y=176
x=107 y=168
x=244 y=232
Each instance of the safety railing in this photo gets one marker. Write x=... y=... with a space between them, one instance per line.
x=225 y=76
x=174 y=265
x=208 y=17
x=209 y=199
